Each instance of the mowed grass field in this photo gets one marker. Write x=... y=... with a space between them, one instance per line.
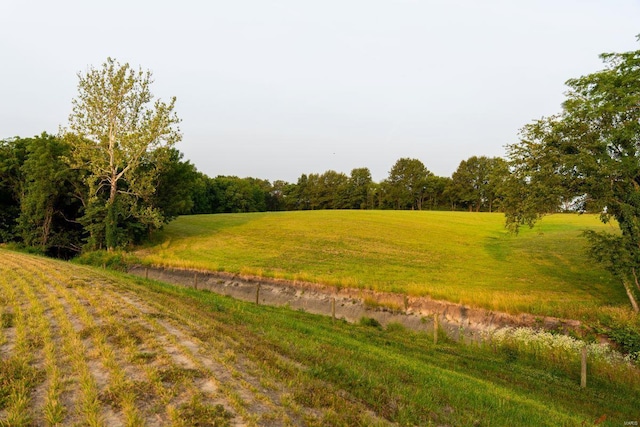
x=462 y=257
x=86 y=346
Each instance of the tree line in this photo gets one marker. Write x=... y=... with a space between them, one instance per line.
x=479 y=184
x=50 y=203
x=47 y=204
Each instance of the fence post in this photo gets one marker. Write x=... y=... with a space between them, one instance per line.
x=435 y=328
x=146 y=272
x=333 y=308
x=258 y=294
x=583 y=372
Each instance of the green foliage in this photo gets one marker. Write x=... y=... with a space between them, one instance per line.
x=16 y=372
x=114 y=260
x=120 y=138
x=52 y=198
x=586 y=157
x=370 y=322
x=7 y=319
x=40 y=196
x=406 y=185
x=623 y=329
x=628 y=339
x=230 y=194
x=174 y=187
x=437 y=196
x=359 y=188
x=196 y=413
x=13 y=152
x=478 y=182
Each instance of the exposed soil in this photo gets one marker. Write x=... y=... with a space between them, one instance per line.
x=417 y=313
x=166 y=356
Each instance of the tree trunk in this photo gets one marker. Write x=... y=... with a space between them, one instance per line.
x=633 y=301
x=635 y=277
x=111 y=225
x=46 y=226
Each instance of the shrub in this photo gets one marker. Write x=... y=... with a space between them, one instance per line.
x=368 y=321
x=114 y=260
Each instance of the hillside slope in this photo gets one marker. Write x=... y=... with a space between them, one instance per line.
x=461 y=257
x=85 y=346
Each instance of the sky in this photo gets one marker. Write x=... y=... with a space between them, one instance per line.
x=275 y=89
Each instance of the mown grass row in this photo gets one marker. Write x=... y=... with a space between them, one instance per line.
x=457 y=256
x=136 y=381
x=283 y=367
x=87 y=382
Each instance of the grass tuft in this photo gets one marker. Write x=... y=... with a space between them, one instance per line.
x=200 y=414
x=7 y=319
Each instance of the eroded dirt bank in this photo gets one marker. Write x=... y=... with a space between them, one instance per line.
x=416 y=313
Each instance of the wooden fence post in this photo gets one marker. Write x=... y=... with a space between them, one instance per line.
x=583 y=372
x=146 y=272
x=333 y=308
x=435 y=328
x=258 y=294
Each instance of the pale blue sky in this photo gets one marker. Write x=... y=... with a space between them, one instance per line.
x=274 y=89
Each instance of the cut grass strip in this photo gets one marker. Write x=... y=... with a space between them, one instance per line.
x=18 y=377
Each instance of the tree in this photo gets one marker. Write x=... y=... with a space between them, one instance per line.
x=13 y=153
x=298 y=196
x=478 y=181
x=277 y=200
x=175 y=185
x=587 y=156
x=359 y=185
x=406 y=184
x=435 y=191
x=51 y=203
x=332 y=190
x=116 y=134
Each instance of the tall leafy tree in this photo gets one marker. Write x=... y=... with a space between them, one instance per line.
x=359 y=185
x=278 y=195
x=116 y=131
x=332 y=190
x=406 y=184
x=176 y=183
x=435 y=192
x=51 y=202
x=589 y=155
x=478 y=182
x=13 y=153
x=298 y=195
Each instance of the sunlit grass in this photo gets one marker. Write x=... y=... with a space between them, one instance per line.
x=299 y=369
x=462 y=257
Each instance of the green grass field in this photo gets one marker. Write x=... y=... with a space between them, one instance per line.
x=457 y=256
x=86 y=346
